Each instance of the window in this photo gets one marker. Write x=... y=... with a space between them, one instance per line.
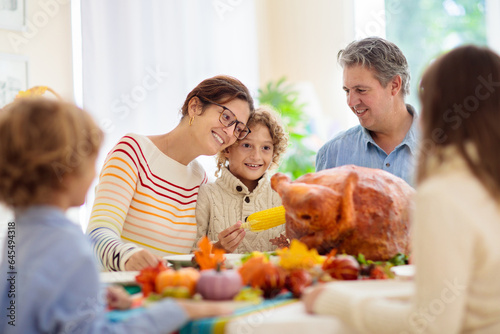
x=425 y=29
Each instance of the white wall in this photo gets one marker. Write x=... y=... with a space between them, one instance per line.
x=46 y=42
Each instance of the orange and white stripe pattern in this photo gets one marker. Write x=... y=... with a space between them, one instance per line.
x=144 y=200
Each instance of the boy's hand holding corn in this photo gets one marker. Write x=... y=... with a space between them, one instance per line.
x=230 y=238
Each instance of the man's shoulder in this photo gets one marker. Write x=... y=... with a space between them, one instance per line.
x=355 y=131
x=346 y=141
x=344 y=137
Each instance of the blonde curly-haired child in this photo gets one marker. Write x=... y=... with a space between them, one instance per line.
x=243 y=187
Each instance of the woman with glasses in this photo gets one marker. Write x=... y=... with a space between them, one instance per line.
x=145 y=201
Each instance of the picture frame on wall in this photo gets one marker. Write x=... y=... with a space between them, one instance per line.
x=13 y=76
x=12 y=14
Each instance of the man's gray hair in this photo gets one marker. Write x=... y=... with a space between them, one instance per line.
x=384 y=57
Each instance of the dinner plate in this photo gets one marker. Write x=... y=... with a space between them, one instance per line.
x=183 y=260
x=118 y=277
x=186 y=260
x=405 y=272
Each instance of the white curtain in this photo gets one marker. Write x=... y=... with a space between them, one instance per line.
x=493 y=24
x=140 y=58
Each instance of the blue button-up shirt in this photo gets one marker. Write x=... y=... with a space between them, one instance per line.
x=357 y=147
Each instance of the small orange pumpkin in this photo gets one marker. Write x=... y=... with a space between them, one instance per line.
x=249 y=268
x=187 y=277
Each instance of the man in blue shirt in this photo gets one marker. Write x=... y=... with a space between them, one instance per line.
x=376 y=81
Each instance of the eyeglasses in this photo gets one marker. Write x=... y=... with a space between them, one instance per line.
x=228 y=118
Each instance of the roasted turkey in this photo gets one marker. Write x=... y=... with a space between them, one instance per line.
x=352 y=209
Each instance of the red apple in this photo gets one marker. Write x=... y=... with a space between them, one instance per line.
x=269 y=278
x=297 y=280
x=378 y=272
x=342 y=267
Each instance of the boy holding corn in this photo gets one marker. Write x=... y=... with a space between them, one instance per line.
x=243 y=187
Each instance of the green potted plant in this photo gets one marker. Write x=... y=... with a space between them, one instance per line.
x=299 y=159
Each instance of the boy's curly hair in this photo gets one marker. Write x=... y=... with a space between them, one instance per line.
x=264 y=115
x=41 y=142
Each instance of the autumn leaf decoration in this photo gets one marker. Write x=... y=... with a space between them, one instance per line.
x=208 y=256
x=298 y=256
x=37 y=91
x=147 y=277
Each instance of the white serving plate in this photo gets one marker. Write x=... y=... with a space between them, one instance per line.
x=118 y=277
x=406 y=272
x=185 y=260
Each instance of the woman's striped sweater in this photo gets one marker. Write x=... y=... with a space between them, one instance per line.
x=144 y=200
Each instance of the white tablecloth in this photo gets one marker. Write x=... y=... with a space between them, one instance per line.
x=289 y=319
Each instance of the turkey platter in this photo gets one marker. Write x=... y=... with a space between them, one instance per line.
x=352 y=209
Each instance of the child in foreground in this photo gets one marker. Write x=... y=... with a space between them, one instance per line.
x=47 y=163
x=243 y=187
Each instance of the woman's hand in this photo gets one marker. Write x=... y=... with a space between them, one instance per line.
x=231 y=237
x=143 y=259
x=310 y=295
x=118 y=298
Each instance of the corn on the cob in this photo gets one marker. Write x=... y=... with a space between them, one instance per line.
x=266 y=219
